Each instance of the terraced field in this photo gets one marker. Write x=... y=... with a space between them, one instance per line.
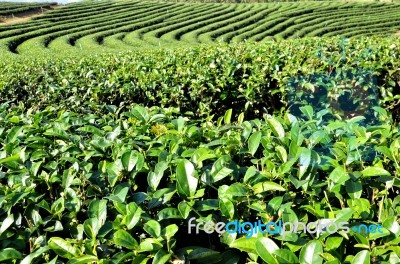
x=133 y=24
x=11 y=9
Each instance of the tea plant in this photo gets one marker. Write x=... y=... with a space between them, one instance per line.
x=121 y=187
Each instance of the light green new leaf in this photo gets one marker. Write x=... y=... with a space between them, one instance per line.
x=285 y=256
x=186 y=180
x=16 y=157
x=154 y=178
x=91 y=227
x=86 y=259
x=29 y=259
x=150 y=244
x=305 y=160
x=282 y=154
x=6 y=223
x=362 y=257
x=114 y=171
x=276 y=127
x=202 y=154
x=153 y=228
x=63 y=248
x=309 y=254
x=227 y=208
x=316 y=137
x=265 y=248
x=236 y=189
x=254 y=142
x=344 y=215
x=307 y=110
x=375 y=171
x=169 y=231
x=267 y=186
x=338 y=176
x=140 y=113
x=227 y=117
x=392 y=225
x=124 y=239
x=9 y=253
x=245 y=244
x=333 y=243
x=129 y=160
x=185 y=208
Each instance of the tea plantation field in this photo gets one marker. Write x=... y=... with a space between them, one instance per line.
x=133 y=24
x=8 y=9
x=125 y=124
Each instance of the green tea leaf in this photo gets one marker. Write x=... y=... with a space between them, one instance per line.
x=9 y=254
x=140 y=113
x=124 y=239
x=267 y=186
x=153 y=228
x=186 y=180
x=155 y=177
x=375 y=171
x=310 y=253
x=7 y=223
x=362 y=257
x=254 y=142
x=305 y=160
x=245 y=244
x=161 y=257
x=276 y=127
x=63 y=248
x=285 y=256
x=227 y=117
x=129 y=160
x=266 y=248
x=83 y=260
x=132 y=216
x=98 y=210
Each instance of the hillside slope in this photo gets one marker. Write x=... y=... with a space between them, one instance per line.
x=132 y=24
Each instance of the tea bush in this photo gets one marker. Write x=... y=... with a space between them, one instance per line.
x=106 y=158
x=121 y=186
x=251 y=78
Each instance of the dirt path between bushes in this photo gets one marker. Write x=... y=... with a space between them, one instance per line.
x=25 y=16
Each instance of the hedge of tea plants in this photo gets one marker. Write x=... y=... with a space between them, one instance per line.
x=10 y=9
x=105 y=158
x=209 y=80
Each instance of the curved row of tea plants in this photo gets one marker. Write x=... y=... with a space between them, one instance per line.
x=12 y=9
x=152 y=24
x=352 y=75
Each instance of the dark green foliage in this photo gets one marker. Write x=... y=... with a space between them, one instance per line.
x=123 y=185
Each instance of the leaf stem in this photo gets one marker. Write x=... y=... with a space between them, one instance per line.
x=327 y=200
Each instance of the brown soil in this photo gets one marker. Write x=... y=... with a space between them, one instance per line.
x=25 y=16
x=397 y=33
